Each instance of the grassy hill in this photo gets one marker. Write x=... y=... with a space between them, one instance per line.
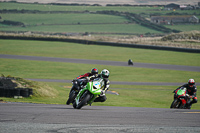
x=53 y=18
x=123 y=24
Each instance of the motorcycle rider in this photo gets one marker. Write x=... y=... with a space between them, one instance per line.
x=80 y=81
x=94 y=72
x=106 y=83
x=191 y=90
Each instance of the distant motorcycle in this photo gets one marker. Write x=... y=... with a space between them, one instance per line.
x=130 y=62
x=76 y=87
x=88 y=94
x=180 y=99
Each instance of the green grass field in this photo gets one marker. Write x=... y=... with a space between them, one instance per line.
x=129 y=96
x=68 y=71
x=54 y=22
x=73 y=23
x=70 y=18
x=134 y=96
x=73 y=50
x=183 y=27
x=102 y=28
x=43 y=7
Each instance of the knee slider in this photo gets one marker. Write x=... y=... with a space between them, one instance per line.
x=195 y=100
x=103 y=99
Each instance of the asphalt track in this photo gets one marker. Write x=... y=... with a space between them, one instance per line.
x=23 y=118
x=113 y=63
x=101 y=62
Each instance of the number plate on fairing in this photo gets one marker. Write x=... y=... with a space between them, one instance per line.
x=97 y=83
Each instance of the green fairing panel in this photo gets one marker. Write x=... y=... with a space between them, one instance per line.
x=181 y=92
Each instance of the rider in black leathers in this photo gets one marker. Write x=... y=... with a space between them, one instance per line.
x=80 y=82
x=191 y=90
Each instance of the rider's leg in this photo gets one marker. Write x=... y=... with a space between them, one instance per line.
x=100 y=99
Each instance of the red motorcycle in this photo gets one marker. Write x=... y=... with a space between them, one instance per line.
x=181 y=98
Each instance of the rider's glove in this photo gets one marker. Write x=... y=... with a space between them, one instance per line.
x=191 y=97
x=102 y=93
x=87 y=79
x=74 y=80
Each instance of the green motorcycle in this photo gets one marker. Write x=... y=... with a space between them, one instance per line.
x=88 y=94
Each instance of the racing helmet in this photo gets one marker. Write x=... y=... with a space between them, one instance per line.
x=191 y=82
x=94 y=71
x=105 y=73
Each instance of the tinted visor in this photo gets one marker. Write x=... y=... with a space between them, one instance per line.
x=94 y=71
x=191 y=83
x=105 y=76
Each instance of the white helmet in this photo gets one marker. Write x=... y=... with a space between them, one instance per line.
x=191 y=82
x=105 y=73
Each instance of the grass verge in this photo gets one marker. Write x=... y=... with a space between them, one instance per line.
x=134 y=96
x=68 y=71
x=131 y=96
x=80 y=51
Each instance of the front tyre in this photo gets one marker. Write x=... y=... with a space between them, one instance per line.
x=72 y=96
x=83 y=101
x=175 y=104
x=74 y=104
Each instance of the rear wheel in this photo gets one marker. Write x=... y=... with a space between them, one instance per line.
x=83 y=100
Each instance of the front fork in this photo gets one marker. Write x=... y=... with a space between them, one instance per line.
x=81 y=93
x=183 y=101
x=75 y=87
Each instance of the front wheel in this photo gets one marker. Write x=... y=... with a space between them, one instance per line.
x=71 y=98
x=74 y=104
x=175 y=104
x=83 y=101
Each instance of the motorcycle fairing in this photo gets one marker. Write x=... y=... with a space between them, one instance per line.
x=94 y=88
